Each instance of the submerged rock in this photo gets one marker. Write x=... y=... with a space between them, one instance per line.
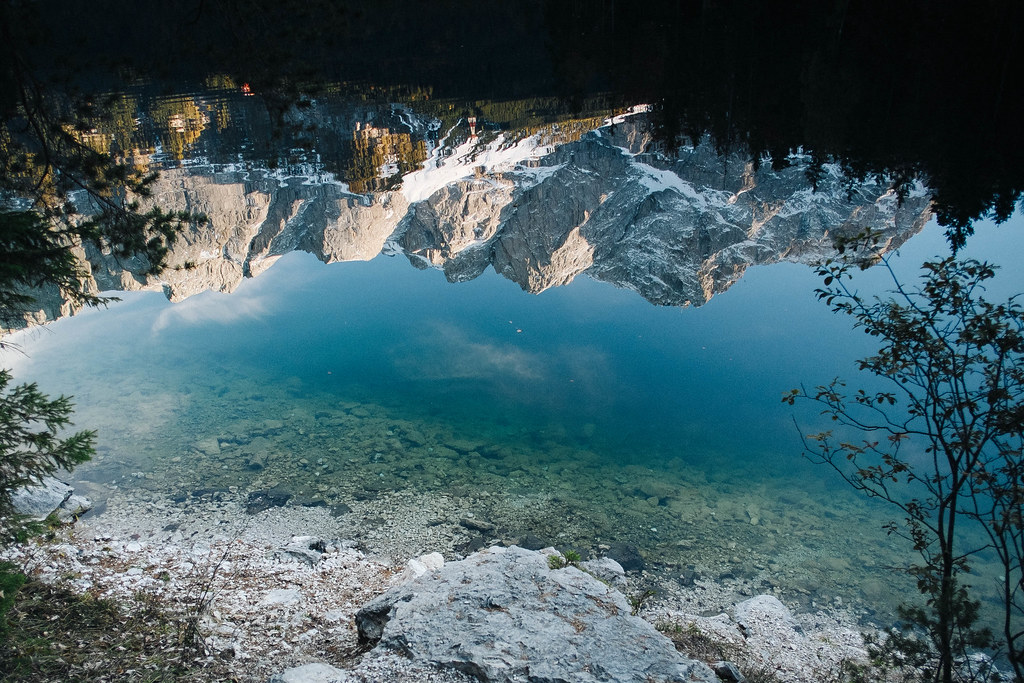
x=627 y=555
x=208 y=446
x=477 y=524
x=503 y=615
x=532 y=542
x=266 y=499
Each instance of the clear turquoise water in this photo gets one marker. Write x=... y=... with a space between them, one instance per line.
x=575 y=396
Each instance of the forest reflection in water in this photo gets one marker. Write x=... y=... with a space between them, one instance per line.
x=930 y=95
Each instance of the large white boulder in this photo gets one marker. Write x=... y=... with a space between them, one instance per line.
x=503 y=614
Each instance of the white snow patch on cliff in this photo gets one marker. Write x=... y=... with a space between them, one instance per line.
x=528 y=176
x=659 y=180
x=632 y=111
x=495 y=157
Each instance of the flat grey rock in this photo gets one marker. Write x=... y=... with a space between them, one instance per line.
x=502 y=615
x=73 y=507
x=282 y=596
x=607 y=570
x=306 y=549
x=50 y=496
x=309 y=673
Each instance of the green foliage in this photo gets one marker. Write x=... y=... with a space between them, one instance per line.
x=33 y=255
x=570 y=558
x=57 y=633
x=11 y=581
x=31 y=443
x=945 y=434
x=52 y=144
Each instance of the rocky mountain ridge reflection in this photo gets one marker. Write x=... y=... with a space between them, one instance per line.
x=676 y=228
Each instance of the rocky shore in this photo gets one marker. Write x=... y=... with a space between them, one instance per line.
x=289 y=587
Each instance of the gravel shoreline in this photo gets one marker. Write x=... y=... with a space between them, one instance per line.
x=271 y=609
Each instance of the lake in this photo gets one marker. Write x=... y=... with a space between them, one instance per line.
x=547 y=266
x=579 y=416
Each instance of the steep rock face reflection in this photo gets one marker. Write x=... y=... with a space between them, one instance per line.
x=675 y=228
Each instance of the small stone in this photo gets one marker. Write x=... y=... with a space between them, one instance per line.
x=728 y=672
x=307 y=549
x=764 y=613
x=72 y=508
x=418 y=566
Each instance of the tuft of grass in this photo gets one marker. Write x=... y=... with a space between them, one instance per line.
x=570 y=558
x=56 y=634
x=693 y=642
x=639 y=599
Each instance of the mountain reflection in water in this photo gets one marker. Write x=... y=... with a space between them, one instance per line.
x=676 y=228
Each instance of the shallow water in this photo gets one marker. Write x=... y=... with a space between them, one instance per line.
x=583 y=416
